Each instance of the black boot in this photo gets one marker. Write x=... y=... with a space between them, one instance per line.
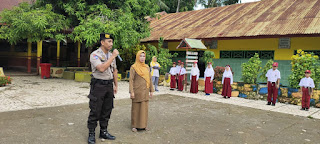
x=105 y=135
x=91 y=138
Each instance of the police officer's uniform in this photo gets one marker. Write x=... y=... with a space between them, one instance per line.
x=101 y=93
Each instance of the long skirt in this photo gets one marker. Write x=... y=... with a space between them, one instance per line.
x=173 y=82
x=139 y=114
x=208 y=87
x=194 y=85
x=305 y=98
x=181 y=82
x=226 y=88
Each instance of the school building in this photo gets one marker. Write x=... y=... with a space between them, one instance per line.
x=23 y=55
x=275 y=29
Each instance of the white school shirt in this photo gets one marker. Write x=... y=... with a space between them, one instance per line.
x=228 y=75
x=197 y=74
x=178 y=69
x=306 y=82
x=182 y=71
x=173 y=71
x=273 y=75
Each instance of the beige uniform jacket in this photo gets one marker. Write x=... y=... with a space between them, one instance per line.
x=99 y=57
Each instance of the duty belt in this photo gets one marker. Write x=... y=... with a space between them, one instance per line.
x=104 y=82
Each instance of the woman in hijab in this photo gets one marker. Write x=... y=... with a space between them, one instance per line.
x=208 y=75
x=194 y=77
x=227 y=80
x=141 y=89
x=155 y=67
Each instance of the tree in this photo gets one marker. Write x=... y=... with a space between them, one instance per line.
x=178 y=5
x=216 y=3
x=124 y=19
x=33 y=24
x=265 y=69
x=164 y=57
x=250 y=70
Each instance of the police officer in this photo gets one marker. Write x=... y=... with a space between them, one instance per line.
x=104 y=85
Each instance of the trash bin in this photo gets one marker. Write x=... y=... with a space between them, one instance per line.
x=45 y=70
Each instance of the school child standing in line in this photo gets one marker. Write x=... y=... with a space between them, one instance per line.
x=227 y=80
x=273 y=76
x=306 y=86
x=208 y=75
x=173 y=73
x=194 y=77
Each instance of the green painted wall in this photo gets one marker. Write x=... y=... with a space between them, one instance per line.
x=284 y=68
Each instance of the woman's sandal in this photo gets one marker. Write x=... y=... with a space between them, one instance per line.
x=134 y=130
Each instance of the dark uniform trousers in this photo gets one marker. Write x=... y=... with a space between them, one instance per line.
x=101 y=103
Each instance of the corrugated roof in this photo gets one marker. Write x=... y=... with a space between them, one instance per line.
x=264 y=18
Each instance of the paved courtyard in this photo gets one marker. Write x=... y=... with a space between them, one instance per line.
x=31 y=92
x=172 y=119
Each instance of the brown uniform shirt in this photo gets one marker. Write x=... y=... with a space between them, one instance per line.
x=99 y=57
x=138 y=85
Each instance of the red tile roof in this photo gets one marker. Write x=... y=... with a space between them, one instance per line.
x=264 y=18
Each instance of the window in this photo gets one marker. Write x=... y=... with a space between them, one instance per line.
x=246 y=54
x=211 y=44
x=284 y=43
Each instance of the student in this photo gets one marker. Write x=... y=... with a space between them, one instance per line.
x=178 y=67
x=227 y=80
x=208 y=75
x=273 y=76
x=173 y=73
x=181 y=76
x=306 y=86
x=194 y=77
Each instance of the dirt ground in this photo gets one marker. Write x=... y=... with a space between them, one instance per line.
x=172 y=119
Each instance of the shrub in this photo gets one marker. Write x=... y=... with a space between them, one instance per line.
x=5 y=80
x=265 y=69
x=164 y=57
x=207 y=57
x=251 y=69
x=301 y=62
x=218 y=72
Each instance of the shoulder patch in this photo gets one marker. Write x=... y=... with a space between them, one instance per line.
x=95 y=56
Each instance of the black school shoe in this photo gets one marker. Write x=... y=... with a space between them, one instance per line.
x=303 y=109
x=105 y=135
x=307 y=109
x=273 y=104
x=269 y=103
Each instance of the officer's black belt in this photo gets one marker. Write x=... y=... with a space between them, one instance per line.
x=104 y=82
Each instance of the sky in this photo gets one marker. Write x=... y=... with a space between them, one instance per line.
x=242 y=1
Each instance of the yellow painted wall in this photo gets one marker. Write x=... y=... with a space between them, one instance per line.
x=304 y=43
